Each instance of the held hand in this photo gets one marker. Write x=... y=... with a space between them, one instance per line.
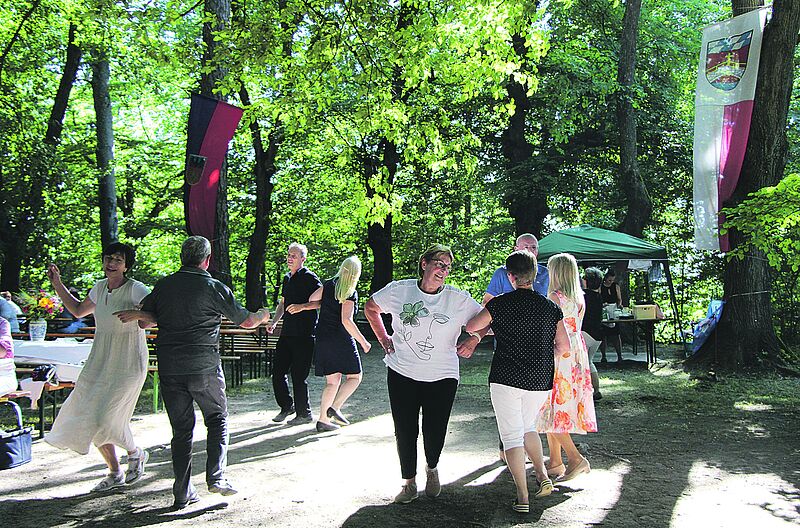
x=128 y=316
x=465 y=348
x=270 y=328
x=387 y=345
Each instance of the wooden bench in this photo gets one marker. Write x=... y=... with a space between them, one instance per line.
x=255 y=344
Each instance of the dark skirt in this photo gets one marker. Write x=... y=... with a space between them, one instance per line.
x=336 y=353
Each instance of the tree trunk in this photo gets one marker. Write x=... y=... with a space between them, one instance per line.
x=639 y=206
x=14 y=232
x=526 y=196
x=379 y=235
x=746 y=329
x=220 y=10
x=263 y=171
x=107 y=192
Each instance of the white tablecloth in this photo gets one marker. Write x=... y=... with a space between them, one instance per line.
x=67 y=355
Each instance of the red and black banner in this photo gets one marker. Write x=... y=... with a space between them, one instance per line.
x=211 y=127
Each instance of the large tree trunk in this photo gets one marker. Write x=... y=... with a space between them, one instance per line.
x=263 y=170
x=526 y=195
x=107 y=192
x=14 y=232
x=639 y=206
x=379 y=235
x=746 y=329
x=220 y=10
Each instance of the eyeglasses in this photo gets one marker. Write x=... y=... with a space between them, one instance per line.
x=114 y=258
x=442 y=265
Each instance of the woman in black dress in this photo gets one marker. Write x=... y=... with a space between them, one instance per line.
x=610 y=293
x=335 y=344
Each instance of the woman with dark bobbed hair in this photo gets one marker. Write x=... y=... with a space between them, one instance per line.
x=99 y=409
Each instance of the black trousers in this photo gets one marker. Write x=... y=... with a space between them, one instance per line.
x=407 y=397
x=292 y=354
x=208 y=391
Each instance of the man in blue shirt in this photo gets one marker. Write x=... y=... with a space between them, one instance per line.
x=500 y=283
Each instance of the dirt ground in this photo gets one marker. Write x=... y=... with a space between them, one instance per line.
x=669 y=453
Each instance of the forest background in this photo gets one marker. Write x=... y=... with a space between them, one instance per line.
x=375 y=129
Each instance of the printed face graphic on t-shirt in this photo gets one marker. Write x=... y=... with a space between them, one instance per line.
x=415 y=315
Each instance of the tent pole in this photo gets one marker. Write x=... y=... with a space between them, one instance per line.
x=673 y=300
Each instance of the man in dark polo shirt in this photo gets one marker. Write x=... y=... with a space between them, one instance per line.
x=295 y=347
x=187 y=306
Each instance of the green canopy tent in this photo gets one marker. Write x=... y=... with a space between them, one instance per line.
x=592 y=244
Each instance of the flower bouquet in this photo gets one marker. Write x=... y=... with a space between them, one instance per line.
x=39 y=308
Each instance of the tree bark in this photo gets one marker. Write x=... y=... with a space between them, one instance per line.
x=746 y=330
x=107 y=191
x=263 y=170
x=639 y=206
x=379 y=234
x=526 y=196
x=16 y=229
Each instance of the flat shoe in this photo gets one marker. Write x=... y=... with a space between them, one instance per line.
x=337 y=416
x=545 y=488
x=323 y=427
x=556 y=471
x=520 y=508
x=572 y=472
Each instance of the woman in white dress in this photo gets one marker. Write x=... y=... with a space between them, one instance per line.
x=99 y=409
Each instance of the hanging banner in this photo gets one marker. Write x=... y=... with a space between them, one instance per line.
x=211 y=127
x=726 y=87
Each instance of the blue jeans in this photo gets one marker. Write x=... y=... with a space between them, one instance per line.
x=208 y=390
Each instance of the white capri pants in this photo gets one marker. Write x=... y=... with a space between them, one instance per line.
x=516 y=411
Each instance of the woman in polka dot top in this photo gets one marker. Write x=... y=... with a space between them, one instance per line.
x=525 y=325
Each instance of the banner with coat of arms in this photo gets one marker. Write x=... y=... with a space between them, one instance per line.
x=726 y=87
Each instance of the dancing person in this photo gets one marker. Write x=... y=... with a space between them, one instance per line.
x=422 y=360
x=571 y=406
x=610 y=293
x=335 y=352
x=592 y=327
x=187 y=306
x=526 y=326
x=8 y=372
x=98 y=411
x=295 y=348
x=500 y=284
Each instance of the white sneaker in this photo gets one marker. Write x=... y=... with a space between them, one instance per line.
x=112 y=480
x=136 y=465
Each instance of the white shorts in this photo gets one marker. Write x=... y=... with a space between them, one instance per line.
x=591 y=348
x=516 y=411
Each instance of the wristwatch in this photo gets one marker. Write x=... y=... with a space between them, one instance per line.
x=475 y=334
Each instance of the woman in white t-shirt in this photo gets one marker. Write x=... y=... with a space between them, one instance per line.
x=422 y=359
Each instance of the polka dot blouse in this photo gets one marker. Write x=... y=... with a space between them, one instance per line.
x=524 y=325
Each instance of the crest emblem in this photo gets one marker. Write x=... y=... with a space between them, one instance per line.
x=726 y=60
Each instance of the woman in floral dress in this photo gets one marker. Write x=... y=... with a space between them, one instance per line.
x=571 y=407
